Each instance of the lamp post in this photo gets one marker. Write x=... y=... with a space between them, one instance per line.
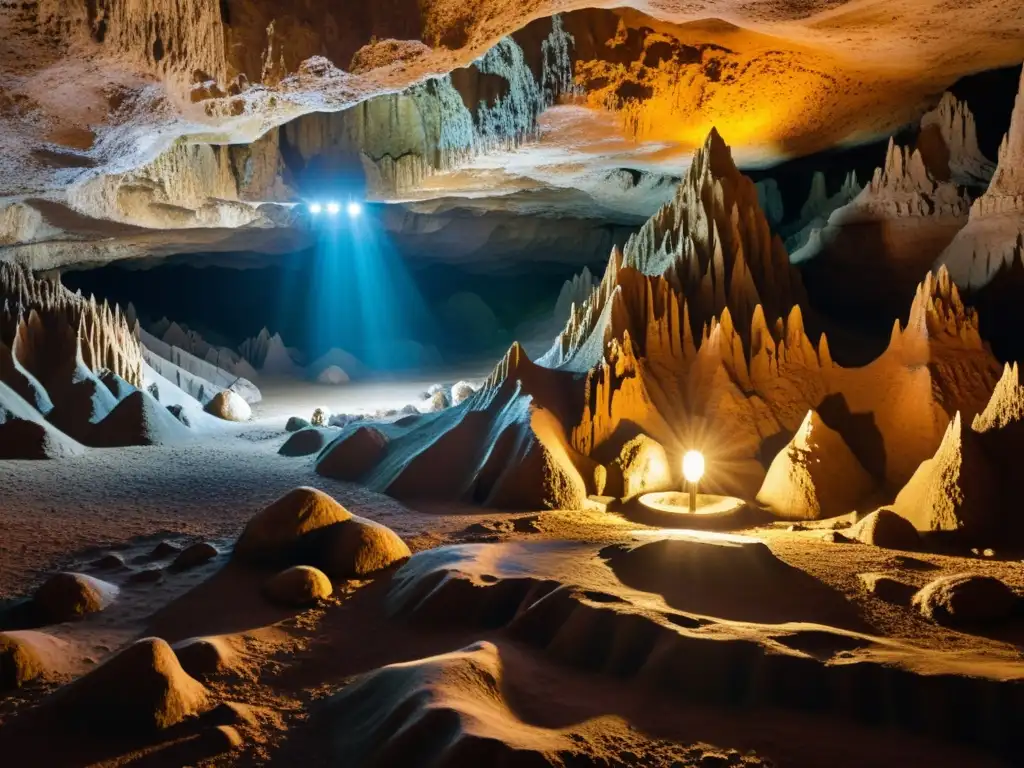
x=693 y=470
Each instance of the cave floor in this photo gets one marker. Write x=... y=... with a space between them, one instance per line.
x=64 y=514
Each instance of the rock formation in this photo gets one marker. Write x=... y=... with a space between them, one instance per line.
x=308 y=527
x=965 y=600
x=815 y=213
x=949 y=138
x=25 y=434
x=48 y=331
x=711 y=244
x=652 y=368
x=904 y=186
x=884 y=528
x=298 y=586
x=137 y=420
x=816 y=475
x=993 y=238
x=970 y=485
x=67 y=596
x=230 y=406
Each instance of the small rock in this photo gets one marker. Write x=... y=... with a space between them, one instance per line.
x=67 y=596
x=321 y=417
x=178 y=412
x=298 y=586
x=305 y=442
x=988 y=553
x=796 y=527
x=164 y=550
x=201 y=657
x=887 y=588
x=884 y=528
x=195 y=555
x=229 y=406
x=108 y=562
x=295 y=423
x=966 y=599
x=835 y=537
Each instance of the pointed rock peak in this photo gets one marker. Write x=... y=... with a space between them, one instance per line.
x=718 y=155
x=1009 y=175
x=1006 y=406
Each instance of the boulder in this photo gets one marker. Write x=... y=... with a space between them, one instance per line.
x=26 y=656
x=202 y=657
x=279 y=532
x=298 y=586
x=308 y=527
x=353 y=455
x=461 y=392
x=68 y=596
x=142 y=688
x=641 y=466
x=295 y=423
x=321 y=417
x=884 y=528
x=195 y=555
x=887 y=588
x=229 y=405
x=305 y=442
x=360 y=547
x=966 y=599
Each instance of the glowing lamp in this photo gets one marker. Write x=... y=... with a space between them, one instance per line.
x=333 y=208
x=315 y=208
x=693 y=471
x=354 y=209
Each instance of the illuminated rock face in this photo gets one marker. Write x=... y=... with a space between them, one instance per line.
x=655 y=351
x=993 y=240
x=171 y=116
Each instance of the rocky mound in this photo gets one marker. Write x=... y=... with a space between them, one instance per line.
x=67 y=596
x=447 y=710
x=308 y=527
x=25 y=434
x=729 y=577
x=138 y=419
x=816 y=475
x=194 y=555
x=203 y=657
x=295 y=423
x=333 y=375
x=351 y=456
x=298 y=586
x=27 y=655
x=885 y=528
x=305 y=442
x=966 y=599
x=229 y=406
x=142 y=688
x=118 y=387
x=81 y=404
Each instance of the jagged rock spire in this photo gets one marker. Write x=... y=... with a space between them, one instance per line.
x=713 y=246
x=1009 y=176
x=48 y=328
x=951 y=125
x=1006 y=405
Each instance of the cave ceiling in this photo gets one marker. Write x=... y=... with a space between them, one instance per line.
x=144 y=128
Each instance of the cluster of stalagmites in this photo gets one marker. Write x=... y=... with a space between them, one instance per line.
x=695 y=337
x=993 y=239
x=73 y=372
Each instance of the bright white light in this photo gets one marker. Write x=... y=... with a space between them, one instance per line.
x=315 y=208
x=693 y=466
x=333 y=208
x=354 y=209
